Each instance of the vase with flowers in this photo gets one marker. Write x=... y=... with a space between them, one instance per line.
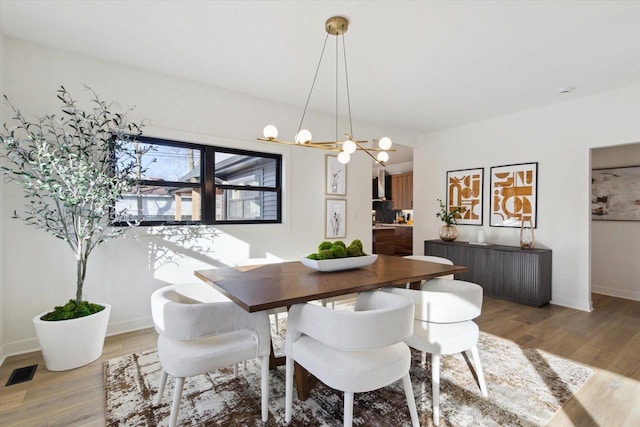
x=448 y=231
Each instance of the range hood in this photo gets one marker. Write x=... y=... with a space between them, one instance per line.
x=382 y=186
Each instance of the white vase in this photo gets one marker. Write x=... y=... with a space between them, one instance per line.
x=69 y=344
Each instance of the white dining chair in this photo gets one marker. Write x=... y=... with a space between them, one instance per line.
x=444 y=310
x=431 y=258
x=352 y=351
x=197 y=337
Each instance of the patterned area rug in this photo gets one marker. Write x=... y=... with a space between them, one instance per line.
x=526 y=388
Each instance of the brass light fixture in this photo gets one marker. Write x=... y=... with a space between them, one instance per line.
x=335 y=26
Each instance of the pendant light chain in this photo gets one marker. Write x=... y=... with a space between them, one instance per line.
x=313 y=83
x=346 y=74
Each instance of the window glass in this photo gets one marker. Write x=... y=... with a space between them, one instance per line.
x=237 y=169
x=165 y=162
x=243 y=186
x=167 y=204
x=233 y=205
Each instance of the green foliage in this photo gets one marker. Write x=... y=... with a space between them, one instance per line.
x=324 y=245
x=354 y=250
x=337 y=249
x=451 y=216
x=325 y=254
x=66 y=167
x=357 y=243
x=72 y=310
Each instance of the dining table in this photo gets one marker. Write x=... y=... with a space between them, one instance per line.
x=282 y=284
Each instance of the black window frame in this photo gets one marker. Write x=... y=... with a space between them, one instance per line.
x=208 y=186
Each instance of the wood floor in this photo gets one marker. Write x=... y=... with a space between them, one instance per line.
x=607 y=339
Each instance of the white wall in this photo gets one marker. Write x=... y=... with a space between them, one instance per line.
x=559 y=138
x=2 y=120
x=39 y=270
x=615 y=245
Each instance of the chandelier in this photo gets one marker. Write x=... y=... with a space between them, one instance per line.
x=335 y=26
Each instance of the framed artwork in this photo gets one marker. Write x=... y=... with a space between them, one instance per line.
x=335 y=219
x=615 y=194
x=464 y=189
x=336 y=176
x=514 y=194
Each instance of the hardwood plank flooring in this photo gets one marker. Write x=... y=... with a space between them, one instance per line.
x=607 y=339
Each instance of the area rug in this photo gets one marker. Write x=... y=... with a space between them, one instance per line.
x=526 y=388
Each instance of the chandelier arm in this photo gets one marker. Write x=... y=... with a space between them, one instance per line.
x=304 y=112
x=366 y=150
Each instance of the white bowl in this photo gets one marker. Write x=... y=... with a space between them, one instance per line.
x=338 y=264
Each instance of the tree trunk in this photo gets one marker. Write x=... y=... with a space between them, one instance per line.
x=82 y=271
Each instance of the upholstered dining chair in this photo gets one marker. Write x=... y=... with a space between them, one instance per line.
x=197 y=337
x=431 y=258
x=352 y=351
x=444 y=310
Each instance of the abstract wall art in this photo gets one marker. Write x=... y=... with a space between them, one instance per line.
x=615 y=194
x=514 y=194
x=464 y=189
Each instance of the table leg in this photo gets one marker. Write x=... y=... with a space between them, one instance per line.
x=275 y=361
x=304 y=381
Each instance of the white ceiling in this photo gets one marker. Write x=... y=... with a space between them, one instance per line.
x=416 y=65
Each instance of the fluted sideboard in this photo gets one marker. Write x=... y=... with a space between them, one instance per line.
x=507 y=272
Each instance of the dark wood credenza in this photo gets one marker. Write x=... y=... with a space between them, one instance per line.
x=507 y=272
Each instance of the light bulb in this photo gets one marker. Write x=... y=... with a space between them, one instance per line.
x=270 y=132
x=382 y=156
x=385 y=143
x=344 y=157
x=349 y=146
x=303 y=136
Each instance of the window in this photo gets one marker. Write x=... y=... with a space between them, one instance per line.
x=185 y=183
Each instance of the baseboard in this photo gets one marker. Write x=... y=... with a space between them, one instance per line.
x=19 y=347
x=31 y=345
x=131 y=325
x=570 y=303
x=614 y=292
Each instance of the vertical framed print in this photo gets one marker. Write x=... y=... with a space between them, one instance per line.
x=514 y=194
x=336 y=219
x=335 y=176
x=465 y=189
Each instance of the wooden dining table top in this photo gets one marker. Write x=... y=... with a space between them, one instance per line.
x=269 y=286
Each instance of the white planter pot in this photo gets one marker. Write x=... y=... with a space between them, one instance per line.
x=69 y=344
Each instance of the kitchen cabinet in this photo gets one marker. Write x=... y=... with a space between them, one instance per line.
x=402 y=190
x=507 y=272
x=393 y=240
x=403 y=240
x=384 y=241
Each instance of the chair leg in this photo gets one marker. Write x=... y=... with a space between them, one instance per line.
x=411 y=400
x=175 y=406
x=435 y=384
x=264 y=387
x=478 y=367
x=288 y=390
x=163 y=382
x=348 y=409
x=235 y=370
x=424 y=358
x=277 y=327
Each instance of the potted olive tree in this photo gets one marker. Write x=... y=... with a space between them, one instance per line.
x=67 y=168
